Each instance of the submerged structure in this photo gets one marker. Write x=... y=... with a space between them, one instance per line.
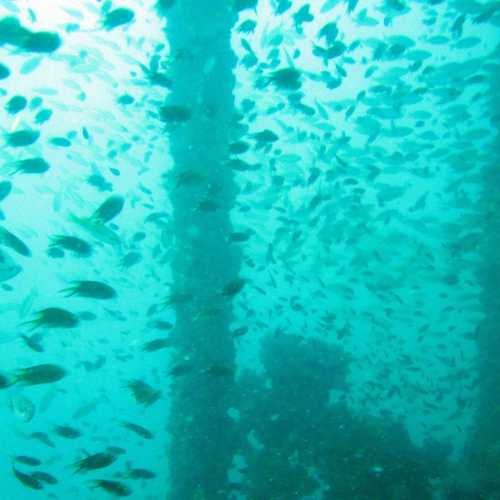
x=248 y=249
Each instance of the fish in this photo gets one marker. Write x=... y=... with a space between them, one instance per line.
x=27 y=479
x=143 y=392
x=13 y=242
x=117 y=17
x=156 y=344
x=93 y=462
x=91 y=290
x=43 y=438
x=54 y=317
x=39 y=374
x=27 y=460
x=138 y=429
x=44 y=477
x=8 y=267
x=67 y=432
x=22 y=138
x=22 y=407
x=115 y=488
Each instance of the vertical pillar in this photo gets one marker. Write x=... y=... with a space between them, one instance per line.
x=202 y=192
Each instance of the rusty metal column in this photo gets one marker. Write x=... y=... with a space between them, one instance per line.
x=483 y=448
x=198 y=116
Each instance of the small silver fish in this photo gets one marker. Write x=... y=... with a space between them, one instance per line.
x=22 y=407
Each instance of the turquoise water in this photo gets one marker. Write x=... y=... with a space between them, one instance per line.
x=248 y=249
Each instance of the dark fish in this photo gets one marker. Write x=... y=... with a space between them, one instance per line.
x=125 y=99
x=265 y=136
x=115 y=488
x=286 y=79
x=247 y=26
x=73 y=244
x=13 y=33
x=15 y=104
x=42 y=42
x=54 y=317
x=42 y=116
x=160 y=324
x=139 y=474
x=130 y=259
x=61 y=142
x=27 y=479
x=93 y=462
x=35 y=165
x=175 y=114
x=22 y=138
x=43 y=438
x=116 y=450
x=117 y=17
x=155 y=345
x=233 y=287
x=91 y=290
x=26 y=460
x=109 y=209
x=40 y=374
x=138 y=429
x=67 y=432
x=4 y=71
x=5 y=381
x=10 y=240
x=5 y=189
x=33 y=342
x=44 y=477
x=143 y=392
x=239 y=237
x=87 y=316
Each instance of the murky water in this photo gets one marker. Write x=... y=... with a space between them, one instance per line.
x=326 y=238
